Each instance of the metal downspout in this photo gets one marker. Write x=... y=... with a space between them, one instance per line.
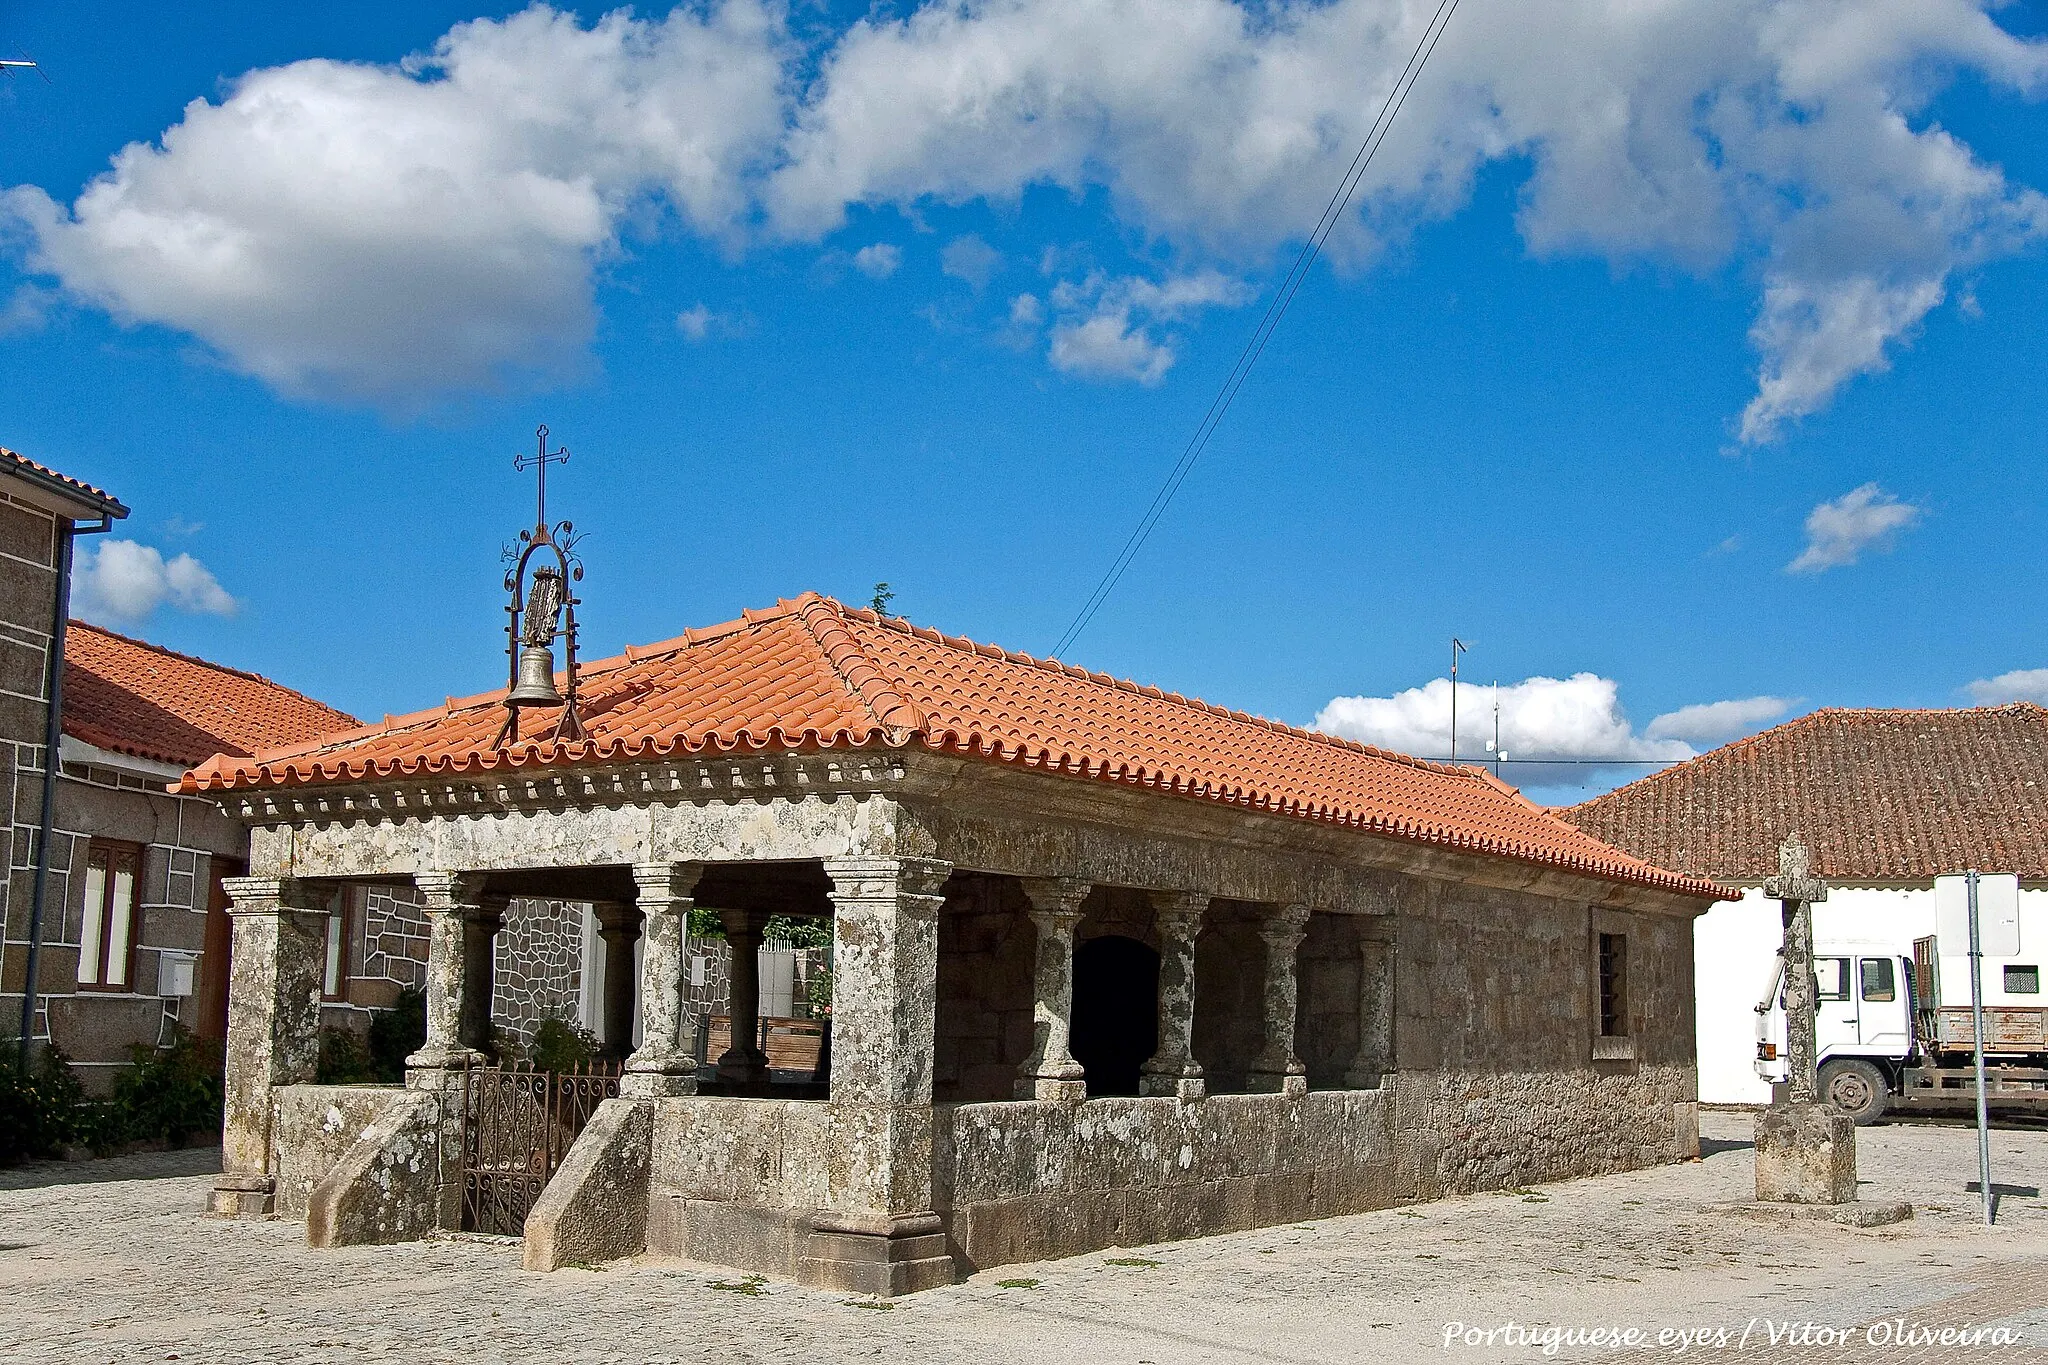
x=53 y=740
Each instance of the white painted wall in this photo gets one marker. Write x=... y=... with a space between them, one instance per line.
x=1733 y=944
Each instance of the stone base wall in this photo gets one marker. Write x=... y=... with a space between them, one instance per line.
x=1028 y=1181
x=1467 y=1131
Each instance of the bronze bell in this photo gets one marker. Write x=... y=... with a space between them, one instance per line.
x=536 y=679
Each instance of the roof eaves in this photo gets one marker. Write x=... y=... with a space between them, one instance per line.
x=71 y=493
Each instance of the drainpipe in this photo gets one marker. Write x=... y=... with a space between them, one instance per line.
x=53 y=740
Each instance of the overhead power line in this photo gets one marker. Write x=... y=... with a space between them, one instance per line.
x=1255 y=345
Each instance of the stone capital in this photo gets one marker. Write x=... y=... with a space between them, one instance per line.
x=1179 y=913
x=275 y=895
x=1058 y=899
x=671 y=882
x=617 y=918
x=445 y=892
x=1284 y=926
x=743 y=924
x=912 y=880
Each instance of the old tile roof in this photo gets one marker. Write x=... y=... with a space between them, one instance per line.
x=26 y=468
x=147 y=701
x=1878 y=796
x=810 y=673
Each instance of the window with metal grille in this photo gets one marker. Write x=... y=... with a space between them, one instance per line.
x=111 y=905
x=1614 y=985
x=2023 y=980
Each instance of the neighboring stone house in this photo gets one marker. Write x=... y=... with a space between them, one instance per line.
x=136 y=935
x=1110 y=966
x=41 y=512
x=1886 y=800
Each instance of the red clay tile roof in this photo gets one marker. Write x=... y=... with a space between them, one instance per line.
x=1878 y=796
x=144 y=700
x=813 y=674
x=43 y=474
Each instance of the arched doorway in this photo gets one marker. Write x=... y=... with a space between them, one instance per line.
x=1116 y=1012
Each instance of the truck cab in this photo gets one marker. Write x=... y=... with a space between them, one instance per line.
x=1863 y=1026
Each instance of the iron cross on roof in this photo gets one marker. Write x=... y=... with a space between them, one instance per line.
x=541 y=458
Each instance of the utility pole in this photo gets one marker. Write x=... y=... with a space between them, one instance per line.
x=1457 y=647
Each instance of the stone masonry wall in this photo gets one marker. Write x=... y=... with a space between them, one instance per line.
x=1027 y=1180
x=28 y=596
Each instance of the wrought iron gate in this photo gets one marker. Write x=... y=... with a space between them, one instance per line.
x=517 y=1125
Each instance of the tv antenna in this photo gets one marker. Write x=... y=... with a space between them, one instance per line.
x=9 y=65
x=1457 y=647
x=1500 y=755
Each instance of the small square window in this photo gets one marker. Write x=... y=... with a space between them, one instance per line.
x=1613 y=985
x=2023 y=980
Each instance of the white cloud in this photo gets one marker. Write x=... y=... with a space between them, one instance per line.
x=1717 y=722
x=388 y=231
x=1789 y=137
x=1103 y=331
x=2023 y=684
x=1572 y=722
x=878 y=261
x=971 y=259
x=122 y=581
x=696 y=322
x=1839 y=531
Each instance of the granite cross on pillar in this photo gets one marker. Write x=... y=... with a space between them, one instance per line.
x=664 y=1063
x=1805 y=1150
x=1050 y=1072
x=1796 y=890
x=1172 y=1070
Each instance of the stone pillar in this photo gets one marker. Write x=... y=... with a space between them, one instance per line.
x=1172 y=1070
x=885 y=943
x=1795 y=888
x=278 y=967
x=618 y=928
x=1805 y=1150
x=1375 y=1055
x=453 y=902
x=744 y=1063
x=480 y=973
x=1050 y=1072
x=1276 y=1067
x=664 y=1063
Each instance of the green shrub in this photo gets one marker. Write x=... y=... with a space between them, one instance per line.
x=345 y=1058
x=559 y=1045
x=41 y=1108
x=396 y=1034
x=167 y=1094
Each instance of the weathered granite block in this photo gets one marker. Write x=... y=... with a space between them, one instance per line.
x=595 y=1207
x=1805 y=1154
x=386 y=1187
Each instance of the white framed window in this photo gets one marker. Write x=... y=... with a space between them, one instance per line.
x=334 y=982
x=110 y=907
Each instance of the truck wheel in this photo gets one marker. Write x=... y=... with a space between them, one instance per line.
x=1858 y=1089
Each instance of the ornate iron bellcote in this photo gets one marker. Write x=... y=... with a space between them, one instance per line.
x=541 y=584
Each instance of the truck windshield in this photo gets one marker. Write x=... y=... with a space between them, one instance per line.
x=1878 y=980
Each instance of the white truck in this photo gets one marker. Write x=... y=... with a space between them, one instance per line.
x=1894 y=1028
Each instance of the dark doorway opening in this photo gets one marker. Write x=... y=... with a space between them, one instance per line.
x=1116 y=1012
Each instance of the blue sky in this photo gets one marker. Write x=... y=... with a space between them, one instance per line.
x=1628 y=319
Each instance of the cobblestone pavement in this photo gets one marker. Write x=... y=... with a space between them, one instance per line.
x=110 y=1262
